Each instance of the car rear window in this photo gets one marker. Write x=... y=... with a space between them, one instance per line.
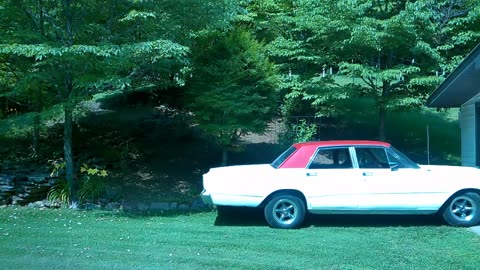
x=280 y=159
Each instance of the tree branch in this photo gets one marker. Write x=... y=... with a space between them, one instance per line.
x=369 y=82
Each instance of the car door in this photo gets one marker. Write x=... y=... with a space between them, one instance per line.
x=331 y=183
x=387 y=185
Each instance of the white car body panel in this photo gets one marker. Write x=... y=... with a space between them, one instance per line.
x=354 y=190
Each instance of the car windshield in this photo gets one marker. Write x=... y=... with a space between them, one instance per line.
x=404 y=160
x=280 y=159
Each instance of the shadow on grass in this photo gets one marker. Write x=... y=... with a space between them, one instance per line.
x=372 y=220
x=254 y=218
x=241 y=216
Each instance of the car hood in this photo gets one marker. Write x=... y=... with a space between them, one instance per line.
x=450 y=168
x=454 y=172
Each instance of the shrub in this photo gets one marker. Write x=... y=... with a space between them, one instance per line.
x=92 y=184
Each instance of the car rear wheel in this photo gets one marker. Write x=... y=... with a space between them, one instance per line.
x=463 y=210
x=285 y=212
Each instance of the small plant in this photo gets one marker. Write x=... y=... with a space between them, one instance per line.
x=304 y=132
x=91 y=183
x=59 y=192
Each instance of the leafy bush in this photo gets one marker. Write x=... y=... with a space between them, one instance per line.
x=92 y=184
x=304 y=131
x=59 y=192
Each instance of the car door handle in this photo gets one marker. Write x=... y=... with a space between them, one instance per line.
x=311 y=174
x=367 y=174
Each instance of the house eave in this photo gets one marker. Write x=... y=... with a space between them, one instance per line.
x=461 y=85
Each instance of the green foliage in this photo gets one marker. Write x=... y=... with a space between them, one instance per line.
x=232 y=91
x=391 y=50
x=59 y=192
x=63 y=52
x=302 y=57
x=161 y=48
x=232 y=65
x=92 y=181
x=304 y=132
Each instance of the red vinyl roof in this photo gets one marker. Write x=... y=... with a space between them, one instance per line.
x=304 y=151
x=342 y=143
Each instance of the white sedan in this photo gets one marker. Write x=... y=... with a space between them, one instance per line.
x=346 y=177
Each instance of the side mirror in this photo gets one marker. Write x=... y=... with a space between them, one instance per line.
x=393 y=166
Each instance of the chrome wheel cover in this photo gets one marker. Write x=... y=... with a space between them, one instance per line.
x=285 y=211
x=463 y=208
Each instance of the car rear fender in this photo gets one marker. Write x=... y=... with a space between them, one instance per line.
x=293 y=192
x=456 y=194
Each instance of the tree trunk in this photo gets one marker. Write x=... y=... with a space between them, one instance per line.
x=36 y=133
x=381 y=124
x=68 y=155
x=224 y=157
x=382 y=112
x=68 y=126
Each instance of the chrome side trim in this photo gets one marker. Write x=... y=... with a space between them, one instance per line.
x=374 y=212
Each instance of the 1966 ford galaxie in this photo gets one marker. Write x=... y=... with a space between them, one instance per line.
x=346 y=177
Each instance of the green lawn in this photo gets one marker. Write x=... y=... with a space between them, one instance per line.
x=62 y=239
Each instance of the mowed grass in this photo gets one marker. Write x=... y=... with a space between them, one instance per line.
x=66 y=239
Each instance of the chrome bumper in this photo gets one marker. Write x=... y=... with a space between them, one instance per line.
x=206 y=198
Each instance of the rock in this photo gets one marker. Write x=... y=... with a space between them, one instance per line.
x=7 y=188
x=6 y=179
x=51 y=204
x=142 y=206
x=113 y=206
x=36 y=190
x=46 y=184
x=183 y=207
x=91 y=206
x=26 y=186
x=102 y=201
x=37 y=204
x=5 y=193
x=198 y=204
x=4 y=202
x=20 y=178
x=52 y=181
x=18 y=200
x=38 y=178
x=129 y=206
x=173 y=206
x=158 y=206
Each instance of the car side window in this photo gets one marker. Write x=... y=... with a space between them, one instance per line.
x=395 y=160
x=372 y=158
x=334 y=158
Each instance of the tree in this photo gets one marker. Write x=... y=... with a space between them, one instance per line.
x=232 y=91
x=302 y=56
x=79 y=48
x=457 y=29
x=386 y=44
x=392 y=51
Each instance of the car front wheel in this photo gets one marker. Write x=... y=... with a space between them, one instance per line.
x=285 y=212
x=463 y=210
